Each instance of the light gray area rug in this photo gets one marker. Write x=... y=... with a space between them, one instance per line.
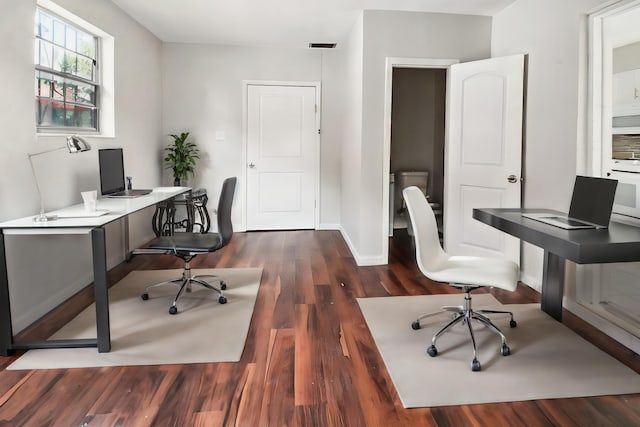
x=144 y=333
x=547 y=359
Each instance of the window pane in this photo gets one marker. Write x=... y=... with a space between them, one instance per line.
x=85 y=94
x=43 y=84
x=59 y=59
x=45 y=26
x=57 y=114
x=87 y=45
x=45 y=54
x=84 y=68
x=58 y=32
x=71 y=39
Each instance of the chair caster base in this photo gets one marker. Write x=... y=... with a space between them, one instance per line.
x=505 y=350
x=144 y=296
x=173 y=309
x=222 y=299
x=415 y=325
x=513 y=323
x=432 y=351
x=475 y=365
x=223 y=285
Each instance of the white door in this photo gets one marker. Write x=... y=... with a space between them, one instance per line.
x=282 y=157
x=483 y=153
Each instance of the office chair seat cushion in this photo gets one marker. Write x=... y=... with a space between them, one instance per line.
x=188 y=242
x=477 y=271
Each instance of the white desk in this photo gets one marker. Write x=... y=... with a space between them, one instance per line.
x=73 y=223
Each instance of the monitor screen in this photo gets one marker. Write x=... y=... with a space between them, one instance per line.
x=111 y=170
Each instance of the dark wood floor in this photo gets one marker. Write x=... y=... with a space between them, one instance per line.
x=309 y=358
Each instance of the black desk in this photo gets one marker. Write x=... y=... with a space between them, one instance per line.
x=619 y=243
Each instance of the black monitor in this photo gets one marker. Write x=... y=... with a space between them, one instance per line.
x=111 y=170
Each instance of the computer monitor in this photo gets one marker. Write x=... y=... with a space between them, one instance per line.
x=111 y=165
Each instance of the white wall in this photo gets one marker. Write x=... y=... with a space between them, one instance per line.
x=43 y=271
x=203 y=94
x=550 y=33
x=397 y=34
x=345 y=100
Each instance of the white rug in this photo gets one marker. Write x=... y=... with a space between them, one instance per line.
x=547 y=359
x=144 y=333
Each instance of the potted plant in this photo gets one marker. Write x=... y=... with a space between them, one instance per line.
x=181 y=157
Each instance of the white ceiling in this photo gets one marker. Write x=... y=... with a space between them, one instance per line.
x=286 y=23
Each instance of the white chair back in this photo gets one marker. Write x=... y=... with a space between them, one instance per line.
x=429 y=253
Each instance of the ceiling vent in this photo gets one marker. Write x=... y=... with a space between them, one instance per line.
x=322 y=45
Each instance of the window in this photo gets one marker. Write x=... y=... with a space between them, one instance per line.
x=66 y=75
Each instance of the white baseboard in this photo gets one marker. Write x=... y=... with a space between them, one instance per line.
x=361 y=260
x=531 y=281
x=329 y=226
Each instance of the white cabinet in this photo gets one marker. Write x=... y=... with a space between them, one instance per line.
x=626 y=93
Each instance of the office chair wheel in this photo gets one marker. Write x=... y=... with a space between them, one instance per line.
x=505 y=350
x=415 y=325
x=144 y=296
x=222 y=299
x=173 y=309
x=475 y=365
x=432 y=351
x=513 y=323
x=223 y=285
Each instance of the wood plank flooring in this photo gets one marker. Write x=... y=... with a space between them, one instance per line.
x=309 y=358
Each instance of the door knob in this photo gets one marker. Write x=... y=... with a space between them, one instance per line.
x=251 y=165
x=512 y=179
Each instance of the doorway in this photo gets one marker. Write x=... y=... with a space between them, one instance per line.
x=391 y=196
x=417 y=143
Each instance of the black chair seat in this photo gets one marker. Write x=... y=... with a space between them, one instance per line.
x=188 y=242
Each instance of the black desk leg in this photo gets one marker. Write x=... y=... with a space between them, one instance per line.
x=100 y=289
x=552 y=285
x=6 y=330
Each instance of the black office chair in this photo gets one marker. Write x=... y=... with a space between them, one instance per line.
x=187 y=246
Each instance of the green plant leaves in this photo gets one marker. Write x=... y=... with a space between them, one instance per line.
x=181 y=156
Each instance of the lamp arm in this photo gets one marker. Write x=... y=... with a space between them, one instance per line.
x=75 y=144
x=35 y=177
x=51 y=150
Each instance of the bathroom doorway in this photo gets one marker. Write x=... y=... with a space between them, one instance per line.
x=417 y=143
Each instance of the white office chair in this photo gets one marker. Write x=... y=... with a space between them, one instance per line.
x=465 y=272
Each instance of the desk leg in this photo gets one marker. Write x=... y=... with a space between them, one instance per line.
x=100 y=289
x=6 y=330
x=552 y=285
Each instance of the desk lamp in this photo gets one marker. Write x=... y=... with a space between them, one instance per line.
x=75 y=144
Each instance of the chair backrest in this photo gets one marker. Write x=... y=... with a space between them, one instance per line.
x=429 y=253
x=225 y=228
